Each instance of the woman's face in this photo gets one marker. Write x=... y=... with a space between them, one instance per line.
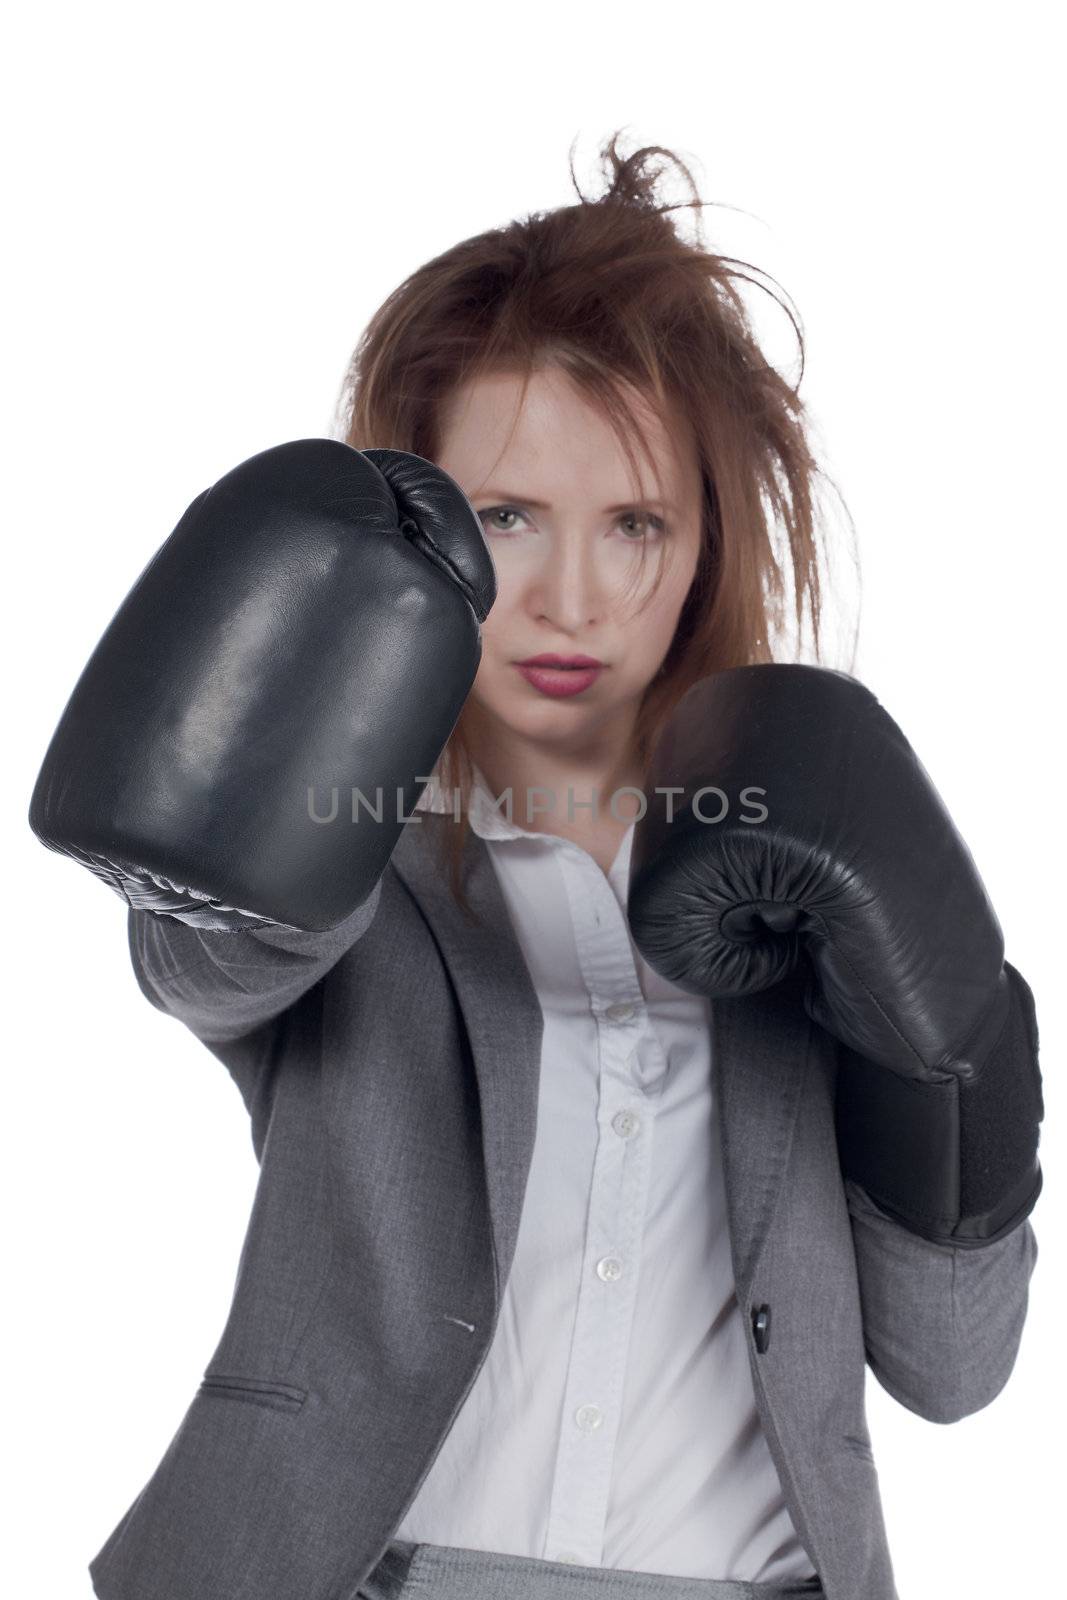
x=564 y=527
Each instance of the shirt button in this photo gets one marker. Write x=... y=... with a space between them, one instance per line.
x=570 y=1558
x=588 y=1418
x=609 y=1268
x=620 y=1011
x=625 y=1124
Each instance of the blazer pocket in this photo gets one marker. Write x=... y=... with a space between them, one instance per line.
x=253 y=1391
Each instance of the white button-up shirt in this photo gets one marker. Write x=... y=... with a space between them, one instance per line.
x=613 y=1422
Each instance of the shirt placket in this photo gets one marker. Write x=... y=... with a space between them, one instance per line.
x=630 y=1077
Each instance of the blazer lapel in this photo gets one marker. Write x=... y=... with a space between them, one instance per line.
x=760 y=1047
x=500 y=1007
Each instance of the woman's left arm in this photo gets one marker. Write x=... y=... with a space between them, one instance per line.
x=842 y=861
x=942 y=1323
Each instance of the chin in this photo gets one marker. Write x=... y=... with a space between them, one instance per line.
x=534 y=716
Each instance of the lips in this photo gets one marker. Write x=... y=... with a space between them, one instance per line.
x=560 y=677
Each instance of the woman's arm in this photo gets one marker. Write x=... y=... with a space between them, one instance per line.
x=223 y=985
x=942 y=1323
x=851 y=871
x=236 y=990
x=306 y=636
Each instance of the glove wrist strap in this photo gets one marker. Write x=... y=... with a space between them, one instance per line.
x=954 y=1160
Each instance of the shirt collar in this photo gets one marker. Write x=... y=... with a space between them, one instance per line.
x=489 y=821
x=486 y=819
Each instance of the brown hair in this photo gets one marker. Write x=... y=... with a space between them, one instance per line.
x=610 y=290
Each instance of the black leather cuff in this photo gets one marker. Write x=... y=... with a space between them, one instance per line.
x=954 y=1160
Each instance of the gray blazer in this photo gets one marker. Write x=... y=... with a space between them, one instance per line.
x=390 y=1069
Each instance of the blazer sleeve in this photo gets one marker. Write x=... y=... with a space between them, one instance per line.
x=238 y=991
x=942 y=1323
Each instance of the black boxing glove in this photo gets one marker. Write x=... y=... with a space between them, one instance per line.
x=309 y=629
x=826 y=845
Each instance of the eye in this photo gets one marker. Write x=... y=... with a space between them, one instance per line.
x=498 y=511
x=645 y=522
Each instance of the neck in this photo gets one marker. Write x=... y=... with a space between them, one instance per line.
x=561 y=787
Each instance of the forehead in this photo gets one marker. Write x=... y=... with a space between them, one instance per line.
x=557 y=441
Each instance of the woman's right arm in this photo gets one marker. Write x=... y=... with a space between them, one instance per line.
x=308 y=634
x=223 y=985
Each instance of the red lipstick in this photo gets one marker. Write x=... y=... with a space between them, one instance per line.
x=560 y=676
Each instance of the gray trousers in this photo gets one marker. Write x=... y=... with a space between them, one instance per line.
x=446 y=1572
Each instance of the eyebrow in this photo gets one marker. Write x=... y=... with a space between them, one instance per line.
x=542 y=505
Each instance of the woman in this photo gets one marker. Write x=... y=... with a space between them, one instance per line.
x=503 y=1313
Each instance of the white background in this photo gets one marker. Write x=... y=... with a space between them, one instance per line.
x=204 y=206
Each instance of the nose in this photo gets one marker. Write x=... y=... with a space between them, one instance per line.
x=568 y=589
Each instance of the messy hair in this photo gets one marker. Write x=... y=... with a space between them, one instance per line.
x=612 y=292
